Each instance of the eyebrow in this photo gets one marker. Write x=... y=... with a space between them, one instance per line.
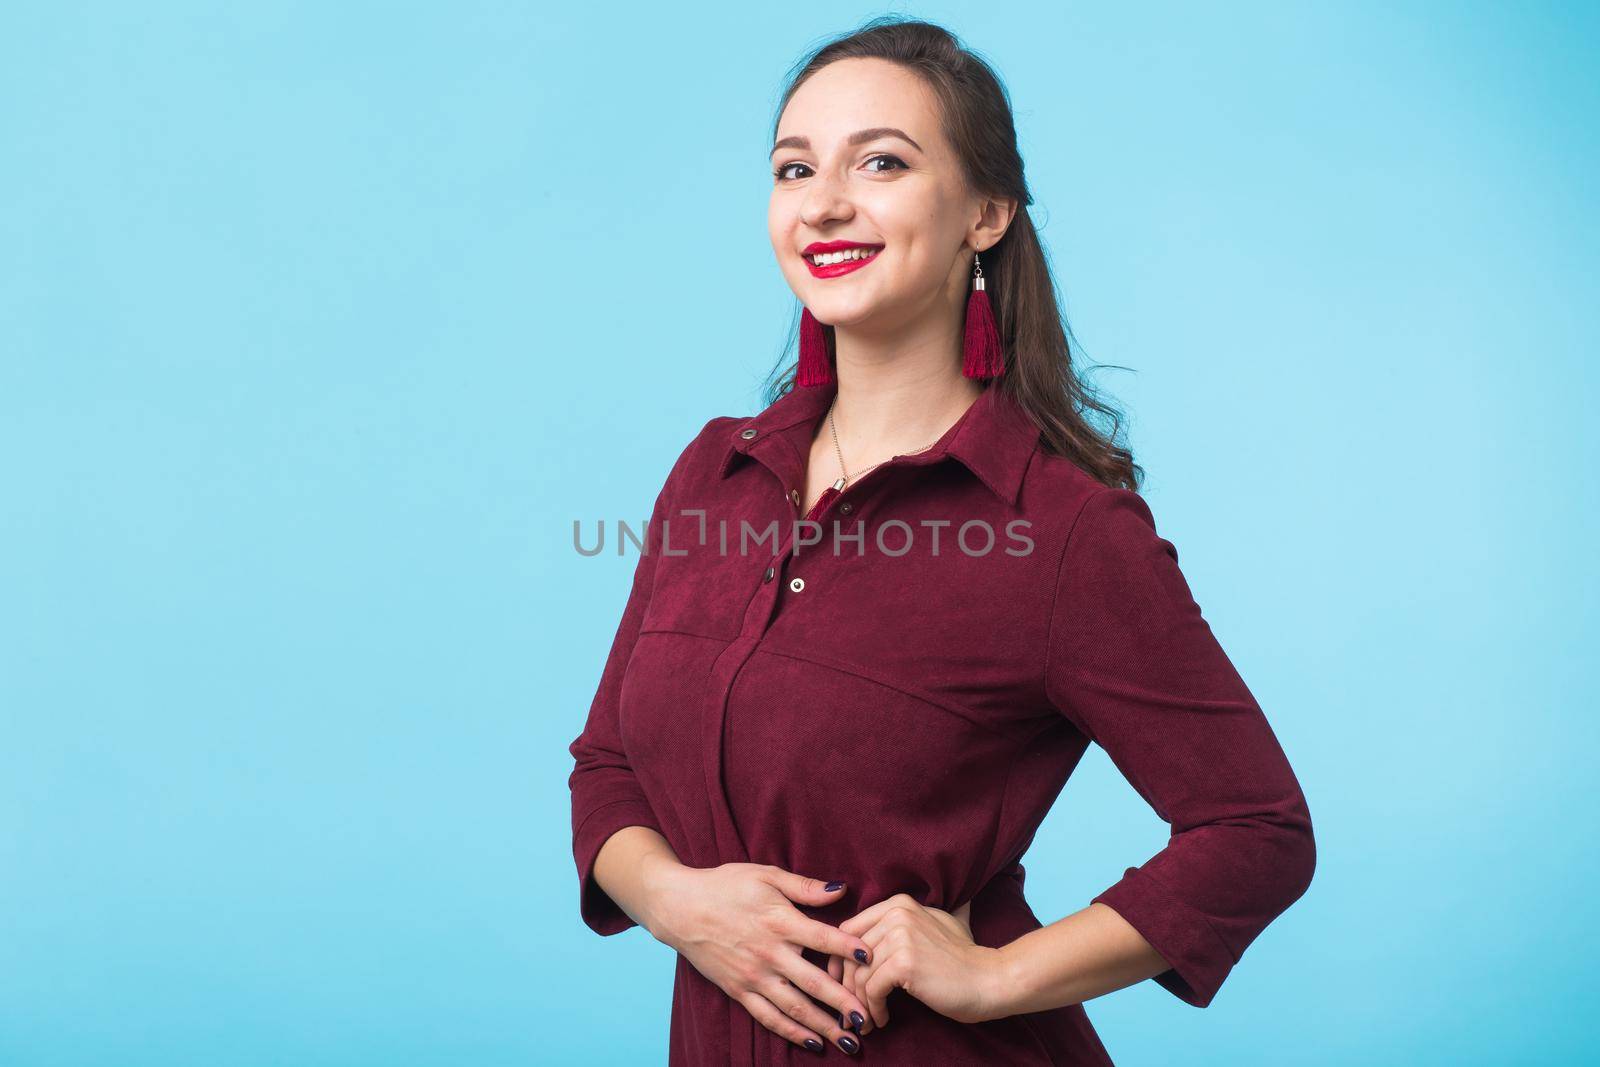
x=859 y=137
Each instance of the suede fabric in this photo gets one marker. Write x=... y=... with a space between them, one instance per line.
x=903 y=717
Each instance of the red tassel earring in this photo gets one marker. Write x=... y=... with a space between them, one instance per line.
x=814 y=366
x=981 y=355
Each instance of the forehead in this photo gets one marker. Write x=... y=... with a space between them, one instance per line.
x=854 y=94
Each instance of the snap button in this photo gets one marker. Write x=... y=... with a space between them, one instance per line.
x=797 y=584
x=747 y=434
x=845 y=507
x=794 y=497
x=767 y=577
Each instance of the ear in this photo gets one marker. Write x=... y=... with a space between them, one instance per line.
x=994 y=218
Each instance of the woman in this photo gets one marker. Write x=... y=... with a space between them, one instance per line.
x=873 y=629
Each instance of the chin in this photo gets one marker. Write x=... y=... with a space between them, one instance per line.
x=843 y=313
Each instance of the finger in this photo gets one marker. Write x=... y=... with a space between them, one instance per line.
x=827 y=939
x=808 y=978
x=836 y=969
x=864 y=919
x=887 y=939
x=794 y=1003
x=767 y=1014
x=857 y=972
x=800 y=889
x=854 y=971
x=880 y=980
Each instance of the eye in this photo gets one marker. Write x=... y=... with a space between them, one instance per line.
x=899 y=163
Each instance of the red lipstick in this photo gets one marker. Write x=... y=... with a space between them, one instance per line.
x=834 y=270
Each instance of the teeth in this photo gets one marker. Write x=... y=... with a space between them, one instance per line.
x=840 y=257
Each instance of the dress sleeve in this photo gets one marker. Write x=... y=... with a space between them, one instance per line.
x=1134 y=666
x=606 y=796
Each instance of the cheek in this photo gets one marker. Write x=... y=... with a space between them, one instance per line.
x=780 y=231
x=781 y=219
x=916 y=267
x=912 y=235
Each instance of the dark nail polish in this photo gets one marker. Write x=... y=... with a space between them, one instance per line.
x=861 y=955
x=813 y=1044
x=849 y=1044
x=855 y=1021
x=831 y=886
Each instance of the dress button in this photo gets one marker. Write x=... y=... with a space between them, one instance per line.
x=747 y=434
x=797 y=584
x=845 y=507
x=794 y=497
x=767 y=577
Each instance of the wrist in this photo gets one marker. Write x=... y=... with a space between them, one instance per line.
x=658 y=877
x=1000 y=984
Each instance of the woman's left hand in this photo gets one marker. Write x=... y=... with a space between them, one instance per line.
x=925 y=951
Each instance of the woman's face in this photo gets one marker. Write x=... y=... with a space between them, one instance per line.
x=903 y=195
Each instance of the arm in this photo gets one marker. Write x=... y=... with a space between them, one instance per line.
x=628 y=870
x=1135 y=667
x=606 y=796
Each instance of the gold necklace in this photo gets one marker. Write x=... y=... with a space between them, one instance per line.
x=845 y=475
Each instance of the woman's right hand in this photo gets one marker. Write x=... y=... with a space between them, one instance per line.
x=738 y=925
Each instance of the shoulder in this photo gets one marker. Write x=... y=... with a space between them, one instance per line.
x=1085 y=517
x=1062 y=495
x=712 y=441
x=704 y=451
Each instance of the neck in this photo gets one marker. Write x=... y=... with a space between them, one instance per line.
x=897 y=397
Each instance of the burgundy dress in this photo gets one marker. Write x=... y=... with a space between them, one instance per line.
x=898 y=708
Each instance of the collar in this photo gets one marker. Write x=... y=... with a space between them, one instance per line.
x=994 y=438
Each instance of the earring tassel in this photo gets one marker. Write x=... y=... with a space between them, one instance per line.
x=814 y=367
x=981 y=351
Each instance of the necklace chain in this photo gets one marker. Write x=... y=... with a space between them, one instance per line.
x=846 y=475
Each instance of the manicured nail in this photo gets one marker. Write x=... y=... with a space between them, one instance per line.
x=813 y=1044
x=861 y=955
x=849 y=1044
x=855 y=1021
x=831 y=886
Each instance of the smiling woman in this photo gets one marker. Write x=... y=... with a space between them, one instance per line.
x=814 y=773
x=829 y=259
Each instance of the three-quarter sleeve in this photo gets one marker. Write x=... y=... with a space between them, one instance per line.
x=1134 y=666
x=606 y=795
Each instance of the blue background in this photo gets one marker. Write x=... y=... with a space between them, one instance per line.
x=320 y=324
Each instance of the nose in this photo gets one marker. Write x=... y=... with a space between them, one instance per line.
x=826 y=200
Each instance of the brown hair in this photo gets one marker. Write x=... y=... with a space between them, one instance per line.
x=976 y=110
